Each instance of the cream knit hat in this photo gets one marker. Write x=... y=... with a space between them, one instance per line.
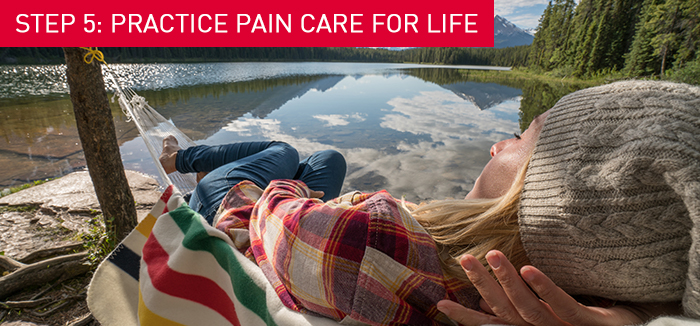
x=611 y=201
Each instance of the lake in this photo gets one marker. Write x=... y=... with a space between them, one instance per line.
x=419 y=132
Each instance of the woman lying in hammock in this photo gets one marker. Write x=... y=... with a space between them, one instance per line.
x=601 y=193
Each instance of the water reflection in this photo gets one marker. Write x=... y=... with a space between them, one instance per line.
x=397 y=132
x=419 y=133
x=484 y=94
x=17 y=81
x=40 y=139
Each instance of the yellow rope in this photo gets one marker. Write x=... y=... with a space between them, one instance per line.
x=93 y=53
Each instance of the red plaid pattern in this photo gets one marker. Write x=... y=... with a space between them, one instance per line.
x=359 y=257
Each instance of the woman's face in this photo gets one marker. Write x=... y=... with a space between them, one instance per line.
x=507 y=157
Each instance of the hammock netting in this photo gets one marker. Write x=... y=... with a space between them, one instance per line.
x=153 y=127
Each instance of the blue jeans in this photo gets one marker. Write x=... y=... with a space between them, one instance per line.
x=259 y=162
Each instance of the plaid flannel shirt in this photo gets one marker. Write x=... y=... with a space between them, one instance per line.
x=358 y=258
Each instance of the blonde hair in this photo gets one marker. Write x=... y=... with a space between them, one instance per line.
x=475 y=226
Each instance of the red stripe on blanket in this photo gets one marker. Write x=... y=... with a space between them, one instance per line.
x=186 y=286
x=166 y=196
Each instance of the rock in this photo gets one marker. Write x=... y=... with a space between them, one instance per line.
x=47 y=210
x=64 y=207
x=75 y=192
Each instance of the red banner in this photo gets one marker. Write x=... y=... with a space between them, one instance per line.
x=453 y=23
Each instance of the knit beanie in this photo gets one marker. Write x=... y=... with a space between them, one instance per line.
x=611 y=201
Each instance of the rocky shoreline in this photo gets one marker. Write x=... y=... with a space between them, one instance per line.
x=56 y=214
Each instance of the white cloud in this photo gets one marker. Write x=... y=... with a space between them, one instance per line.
x=245 y=126
x=270 y=129
x=339 y=119
x=523 y=13
x=446 y=118
x=506 y=7
x=526 y=20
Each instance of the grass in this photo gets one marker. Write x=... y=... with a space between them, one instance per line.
x=556 y=76
x=690 y=74
x=56 y=232
x=20 y=209
x=9 y=191
x=97 y=240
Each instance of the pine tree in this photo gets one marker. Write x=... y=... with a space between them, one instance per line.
x=626 y=14
x=665 y=22
x=663 y=28
x=559 y=56
x=601 y=41
x=640 y=61
x=689 y=33
x=539 y=44
x=579 y=39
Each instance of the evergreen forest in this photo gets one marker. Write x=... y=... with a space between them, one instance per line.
x=647 y=38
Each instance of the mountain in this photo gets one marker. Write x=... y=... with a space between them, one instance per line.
x=506 y=34
x=280 y=95
x=483 y=95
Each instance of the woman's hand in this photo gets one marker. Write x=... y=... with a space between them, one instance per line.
x=316 y=194
x=513 y=303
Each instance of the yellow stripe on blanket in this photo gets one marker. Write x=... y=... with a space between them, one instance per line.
x=147 y=317
x=146 y=225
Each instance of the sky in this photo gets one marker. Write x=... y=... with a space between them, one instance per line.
x=523 y=13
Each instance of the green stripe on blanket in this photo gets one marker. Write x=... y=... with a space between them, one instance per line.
x=197 y=238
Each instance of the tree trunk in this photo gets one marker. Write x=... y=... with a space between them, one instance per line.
x=98 y=137
x=663 y=60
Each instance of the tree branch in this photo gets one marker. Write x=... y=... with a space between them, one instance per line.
x=44 y=271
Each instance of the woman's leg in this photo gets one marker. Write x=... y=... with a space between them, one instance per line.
x=205 y=158
x=229 y=165
x=260 y=162
x=323 y=171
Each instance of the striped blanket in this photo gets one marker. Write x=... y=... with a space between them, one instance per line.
x=175 y=269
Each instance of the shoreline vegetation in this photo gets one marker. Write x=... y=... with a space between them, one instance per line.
x=519 y=73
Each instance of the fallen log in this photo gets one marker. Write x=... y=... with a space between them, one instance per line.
x=8 y=264
x=25 y=303
x=56 y=305
x=43 y=253
x=82 y=321
x=66 y=266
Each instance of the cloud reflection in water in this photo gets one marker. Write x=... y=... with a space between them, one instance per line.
x=444 y=166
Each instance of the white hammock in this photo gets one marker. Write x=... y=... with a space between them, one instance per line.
x=153 y=127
